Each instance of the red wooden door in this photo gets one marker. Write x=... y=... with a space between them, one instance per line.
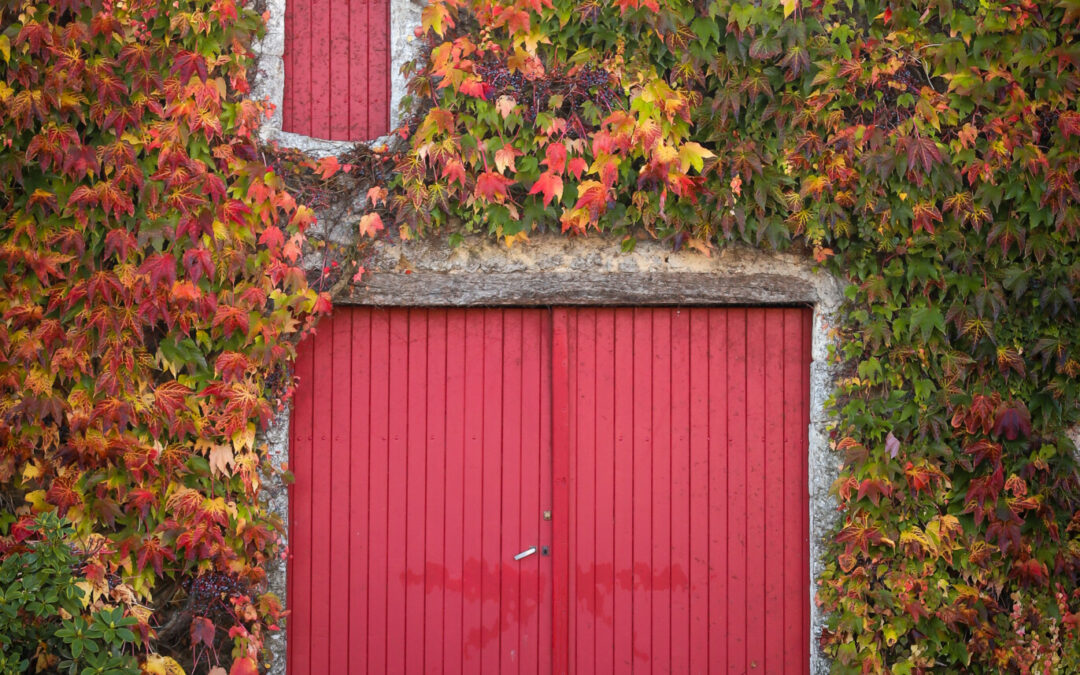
x=686 y=491
x=669 y=445
x=421 y=450
x=337 y=69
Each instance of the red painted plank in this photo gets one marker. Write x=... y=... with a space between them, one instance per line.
x=774 y=496
x=660 y=534
x=359 y=471
x=605 y=491
x=338 y=69
x=546 y=582
x=584 y=480
x=560 y=442
x=475 y=396
x=624 y=496
x=287 y=95
x=435 y=499
x=642 y=487
x=378 y=93
x=339 y=329
x=703 y=352
x=755 y=488
x=530 y=518
x=320 y=68
x=415 y=489
x=512 y=540
x=491 y=489
x=359 y=22
x=736 y=492
x=680 y=491
x=300 y=530
x=457 y=355
x=803 y=395
x=378 y=569
x=724 y=517
x=320 y=502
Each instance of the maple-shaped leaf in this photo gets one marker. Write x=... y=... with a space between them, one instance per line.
x=1069 y=123
x=921 y=152
x=232 y=365
x=492 y=186
x=171 y=397
x=454 y=171
x=153 y=553
x=272 y=238
x=161 y=267
x=327 y=167
x=1012 y=420
x=505 y=158
x=925 y=215
x=505 y=105
x=693 y=155
x=221 y=459
x=577 y=166
x=377 y=194
x=202 y=632
x=436 y=17
x=370 y=224
x=555 y=157
x=550 y=185
x=244 y=666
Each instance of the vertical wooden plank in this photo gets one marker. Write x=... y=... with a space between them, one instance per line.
x=774 y=492
x=604 y=581
x=735 y=543
x=661 y=490
x=584 y=470
x=379 y=484
x=397 y=502
x=320 y=68
x=339 y=68
x=457 y=355
x=547 y=430
x=513 y=540
x=803 y=482
x=338 y=424
x=491 y=487
x=379 y=69
x=322 y=378
x=300 y=525
x=415 y=489
x=755 y=487
x=703 y=640
x=299 y=83
x=359 y=472
x=287 y=95
x=436 y=505
x=475 y=396
x=572 y=320
x=680 y=491
x=642 y=486
x=560 y=392
x=624 y=495
x=358 y=69
x=531 y=519
x=719 y=451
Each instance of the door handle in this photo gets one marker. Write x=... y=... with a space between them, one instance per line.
x=526 y=553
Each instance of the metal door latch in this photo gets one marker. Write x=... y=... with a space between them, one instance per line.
x=526 y=553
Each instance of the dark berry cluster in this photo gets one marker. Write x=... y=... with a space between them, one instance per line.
x=584 y=84
x=209 y=594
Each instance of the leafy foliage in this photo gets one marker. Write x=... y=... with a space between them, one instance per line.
x=925 y=151
x=150 y=297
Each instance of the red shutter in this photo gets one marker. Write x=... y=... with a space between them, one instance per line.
x=337 y=69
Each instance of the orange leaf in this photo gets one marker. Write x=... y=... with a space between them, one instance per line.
x=244 y=666
x=550 y=185
x=370 y=224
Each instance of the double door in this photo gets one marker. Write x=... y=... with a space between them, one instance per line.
x=551 y=491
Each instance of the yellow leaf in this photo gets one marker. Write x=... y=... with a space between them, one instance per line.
x=157 y=664
x=221 y=460
x=5 y=48
x=36 y=498
x=693 y=155
x=789 y=7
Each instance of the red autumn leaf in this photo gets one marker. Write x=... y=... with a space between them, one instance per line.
x=272 y=238
x=161 y=267
x=198 y=263
x=1012 y=420
x=231 y=319
x=232 y=365
x=578 y=166
x=327 y=167
x=370 y=224
x=153 y=553
x=922 y=152
x=550 y=185
x=171 y=397
x=244 y=666
x=202 y=632
x=1069 y=123
x=555 y=157
x=492 y=186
